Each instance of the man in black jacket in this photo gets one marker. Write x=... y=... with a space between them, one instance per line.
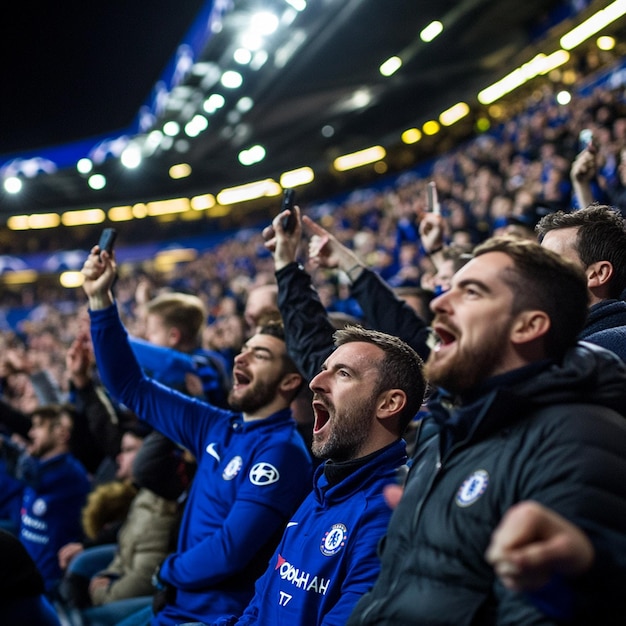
x=521 y=413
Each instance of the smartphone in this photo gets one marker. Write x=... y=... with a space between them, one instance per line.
x=585 y=139
x=288 y=222
x=107 y=239
x=433 y=200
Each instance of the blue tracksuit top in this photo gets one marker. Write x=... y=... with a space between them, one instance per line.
x=251 y=476
x=170 y=366
x=327 y=558
x=50 y=517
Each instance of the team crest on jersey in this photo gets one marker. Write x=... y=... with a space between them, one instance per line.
x=472 y=488
x=39 y=507
x=334 y=539
x=232 y=469
x=263 y=474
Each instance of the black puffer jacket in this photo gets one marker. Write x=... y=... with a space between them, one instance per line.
x=558 y=438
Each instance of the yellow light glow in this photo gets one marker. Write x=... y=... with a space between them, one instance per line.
x=203 y=202
x=167 y=207
x=71 y=279
x=454 y=114
x=554 y=60
x=483 y=124
x=78 y=218
x=120 y=213
x=21 y=277
x=178 y=255
x=431 y=127
x=294 y=178
x=593 y=24
x=540 y=64
x=249 y=191
x=180 y=170
x=390 y=66
x=360 y=158
x=18 y=222
x=606 y=42
x=411 y=135
x=43 y=220
x=434 y=29
x=140 y=210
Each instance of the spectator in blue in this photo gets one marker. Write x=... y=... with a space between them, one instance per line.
x=10 y=493
x=594 y=238
x=367 y=392
x=55 y=490
x=171 y=351
x=253 y=467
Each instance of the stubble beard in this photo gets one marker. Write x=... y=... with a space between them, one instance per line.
x=255 y=397
x=349 y=431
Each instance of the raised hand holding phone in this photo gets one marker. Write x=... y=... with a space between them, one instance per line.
x=433 y=198
x=431 y=225
x=107 y=240
x=288 y=222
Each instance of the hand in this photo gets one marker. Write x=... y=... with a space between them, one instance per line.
x=193 y=385
x=98 y=582
x=79 y=360
x=99 y=271
x=584 y=166
x=532 y=543
x=431 y=231
x=283 y=245
x=68 y=552
x=392 y=494
x=19 y=361
x=325 y=250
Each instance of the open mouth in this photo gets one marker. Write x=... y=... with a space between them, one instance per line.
x=322 y=416
x=445 y=337
x=240 y=379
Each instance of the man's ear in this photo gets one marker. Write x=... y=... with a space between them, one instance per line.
x=529 y=326
x=390 y=403
x=599 y=274
x=290 y=382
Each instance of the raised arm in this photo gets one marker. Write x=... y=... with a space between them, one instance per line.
x=383 y=310
x=582 y=173
x=308 y=330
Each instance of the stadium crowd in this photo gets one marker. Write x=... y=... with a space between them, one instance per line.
x=62 y=393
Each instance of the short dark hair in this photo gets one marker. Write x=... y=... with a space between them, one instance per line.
x=601 y=236
x=54 y=412
x=542 y=280
x=459 y=256
x=401 y=368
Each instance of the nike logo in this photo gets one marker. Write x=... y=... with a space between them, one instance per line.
x=213 y=452
x=290 y=524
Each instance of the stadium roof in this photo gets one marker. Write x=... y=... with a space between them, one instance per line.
x=102 y=79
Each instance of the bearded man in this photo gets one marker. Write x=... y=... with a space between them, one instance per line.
x=521 y=412
x=253 y=467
